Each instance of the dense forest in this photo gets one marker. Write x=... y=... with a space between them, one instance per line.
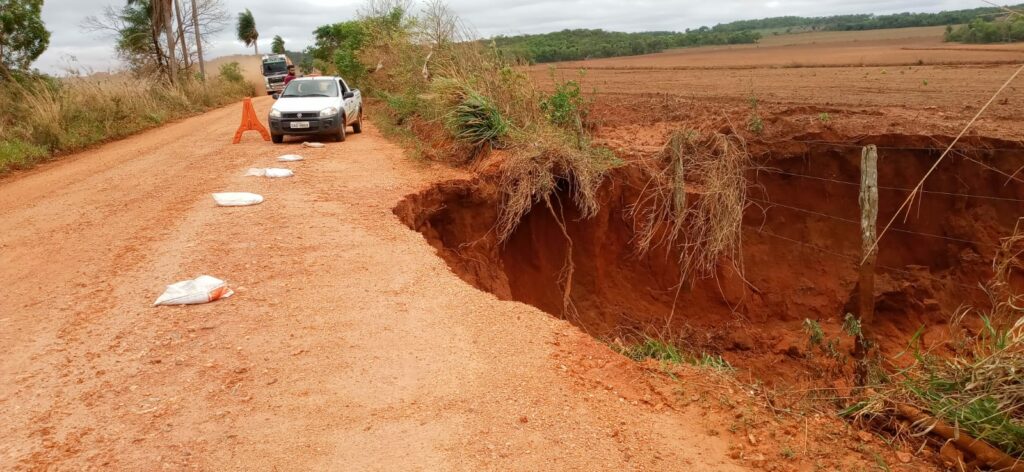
x=570 y=45
x=1004 y=30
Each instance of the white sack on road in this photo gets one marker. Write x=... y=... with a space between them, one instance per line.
x=271 y=172
x=313 y=145
x=289 y=158
x=203 y=289
x=229 y=199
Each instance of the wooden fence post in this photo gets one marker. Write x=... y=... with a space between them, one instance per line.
x=869 y=252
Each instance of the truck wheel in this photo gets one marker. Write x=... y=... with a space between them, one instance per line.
x=341 y=130
x=277 y=138
x=357 y=127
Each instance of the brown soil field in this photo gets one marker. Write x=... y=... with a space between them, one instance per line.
x=910 y=46
x=874 y=81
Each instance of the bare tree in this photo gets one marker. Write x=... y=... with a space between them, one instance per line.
x=199 y=40
x=378 y=8
x=438 y=24
x=138 y=41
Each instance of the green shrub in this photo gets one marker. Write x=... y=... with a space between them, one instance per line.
x=232 y=72
x=566 y=107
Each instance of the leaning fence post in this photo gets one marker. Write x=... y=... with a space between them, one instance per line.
x=869 y=251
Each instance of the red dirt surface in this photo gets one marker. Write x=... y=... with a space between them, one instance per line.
x=349 y=343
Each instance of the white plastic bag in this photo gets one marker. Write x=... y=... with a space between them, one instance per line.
x=271 y=172
x=313 y=145
x=203 y=289
x=229 y=199
x=289 y=158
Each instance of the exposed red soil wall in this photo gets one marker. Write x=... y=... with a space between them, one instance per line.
x=802 y=263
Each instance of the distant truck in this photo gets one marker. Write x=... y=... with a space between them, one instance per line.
x=275 y=67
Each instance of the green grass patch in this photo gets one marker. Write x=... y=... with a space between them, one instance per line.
x=668 y=352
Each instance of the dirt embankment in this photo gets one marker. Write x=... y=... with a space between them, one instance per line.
x=251 y=65
x=799 y=254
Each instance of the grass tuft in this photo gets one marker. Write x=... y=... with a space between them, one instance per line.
x=979 y=389
x=45 y=116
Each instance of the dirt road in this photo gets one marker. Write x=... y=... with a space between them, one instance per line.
x=349 y=345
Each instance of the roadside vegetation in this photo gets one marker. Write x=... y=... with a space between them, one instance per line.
x=45 y=116
x=468 y=102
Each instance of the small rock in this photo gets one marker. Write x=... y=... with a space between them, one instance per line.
x=904 y=457
x=864 y=436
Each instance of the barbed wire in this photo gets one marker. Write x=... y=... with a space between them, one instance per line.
x=857 y=223
x=856 y=145
x=855 y=260
x=898 y=189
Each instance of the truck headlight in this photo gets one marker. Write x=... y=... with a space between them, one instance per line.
x=275 y=113
x=329 y=111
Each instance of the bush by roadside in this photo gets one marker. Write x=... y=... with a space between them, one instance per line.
x=47 y=117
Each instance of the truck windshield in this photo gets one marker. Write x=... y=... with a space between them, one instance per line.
x=274 y=68
x=312 y=88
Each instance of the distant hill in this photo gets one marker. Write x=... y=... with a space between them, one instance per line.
x=577 y=44
x=581 y=44
x=862 y=22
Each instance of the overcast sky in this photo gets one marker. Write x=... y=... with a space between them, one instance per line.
x=294 y=20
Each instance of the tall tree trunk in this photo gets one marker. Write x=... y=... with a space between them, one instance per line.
x=256 y=45
x=199 y=39
x=159 y=52
x=181 y=34
x=169 y=31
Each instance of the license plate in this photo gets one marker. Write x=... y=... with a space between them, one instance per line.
x=300 y=124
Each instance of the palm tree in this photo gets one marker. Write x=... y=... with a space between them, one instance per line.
x=247 y=30
x=163 y=11
x=277 y=46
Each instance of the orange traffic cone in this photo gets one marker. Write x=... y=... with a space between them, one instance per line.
x=250 y=123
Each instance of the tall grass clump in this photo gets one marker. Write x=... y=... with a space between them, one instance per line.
x=709 y=167
x=978 y=387
x=460 y=95
x=45 y=116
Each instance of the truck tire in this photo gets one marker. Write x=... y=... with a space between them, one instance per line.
x=277 y=138
x=341 y=130
x=357 y=127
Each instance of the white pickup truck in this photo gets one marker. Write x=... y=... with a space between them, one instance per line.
x=316 y=106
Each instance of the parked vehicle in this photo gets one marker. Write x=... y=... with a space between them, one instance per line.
x=316 y=106
x=275 y=67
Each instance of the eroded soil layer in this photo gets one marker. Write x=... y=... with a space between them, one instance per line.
x=800 y=250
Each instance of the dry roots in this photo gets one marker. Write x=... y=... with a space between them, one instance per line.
x=712 y=168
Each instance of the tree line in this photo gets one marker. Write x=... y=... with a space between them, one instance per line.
x=578 y=44
x=863 y=22
x=1004 y=30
